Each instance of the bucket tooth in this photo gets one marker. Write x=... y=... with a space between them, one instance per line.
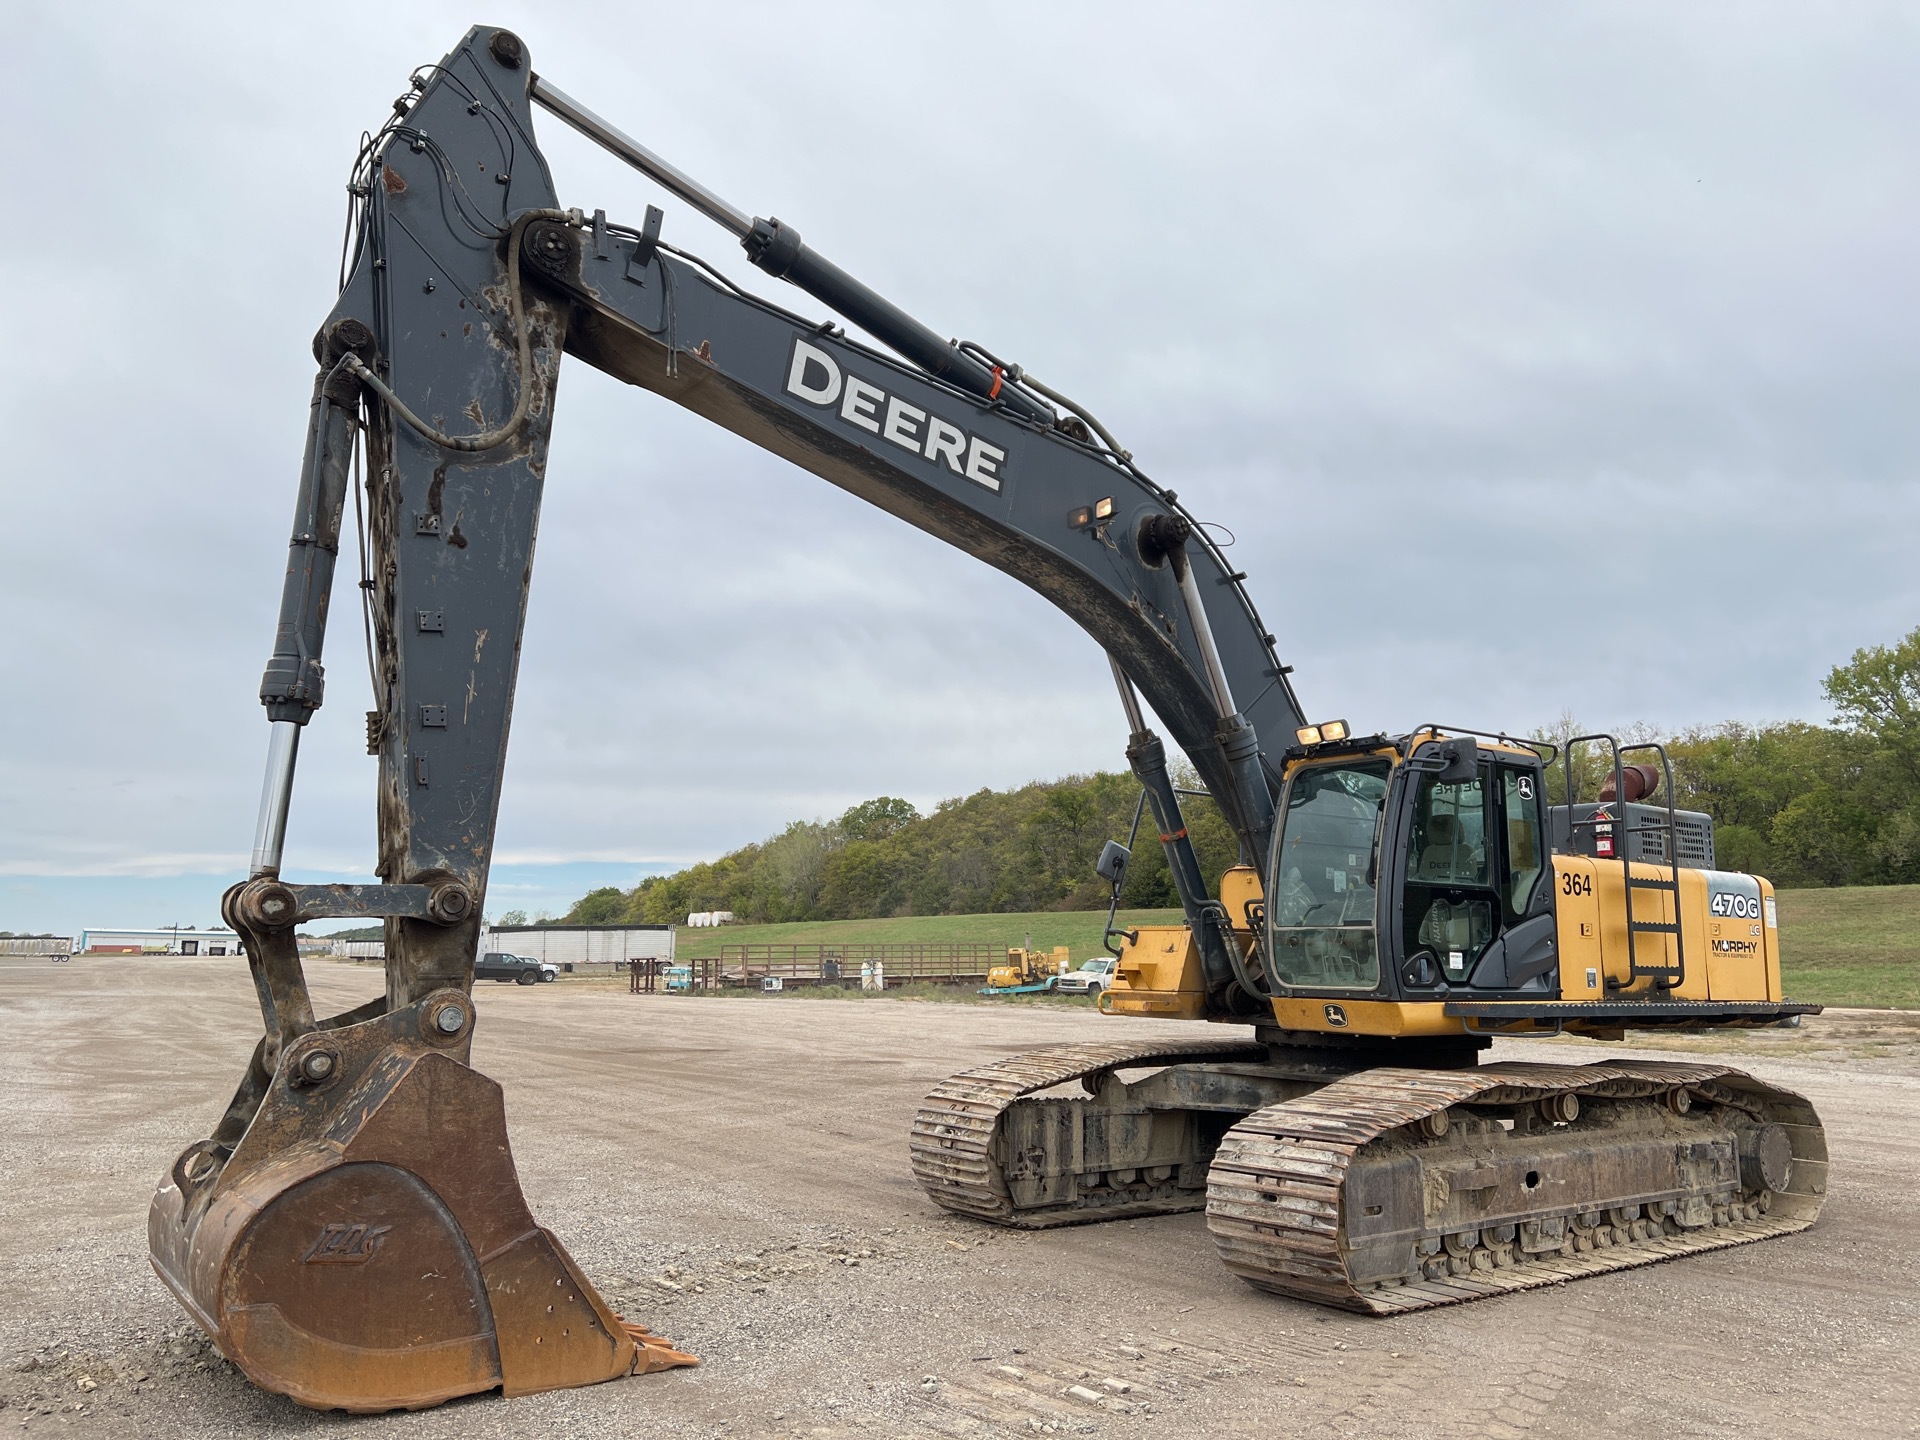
x=367 y=1247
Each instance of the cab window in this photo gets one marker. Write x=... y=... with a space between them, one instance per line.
x=1450 y=833
x=1320 y=917
x=1520 y=803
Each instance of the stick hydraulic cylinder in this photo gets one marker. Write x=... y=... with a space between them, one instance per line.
x=295 y=681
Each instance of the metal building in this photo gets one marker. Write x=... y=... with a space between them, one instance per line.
x=164 y=940
x=580 y=945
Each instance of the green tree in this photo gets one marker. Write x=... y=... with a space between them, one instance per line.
x=1878 y=694
x=604 y=906
x=1819 y=837
x=1894 y=854
x=878 y=818
x=858 y=881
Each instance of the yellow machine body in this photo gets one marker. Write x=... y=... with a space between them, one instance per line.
x=1158 y=974
x=1728 y=958
x=1725 y=948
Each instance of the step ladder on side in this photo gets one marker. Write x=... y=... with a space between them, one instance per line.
x=1622 y=829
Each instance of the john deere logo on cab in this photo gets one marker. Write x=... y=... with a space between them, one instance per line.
x=816 y=377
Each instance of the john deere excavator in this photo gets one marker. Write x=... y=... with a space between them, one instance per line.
x=353 y=1233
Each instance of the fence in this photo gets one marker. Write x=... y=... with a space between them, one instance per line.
x=936 y=963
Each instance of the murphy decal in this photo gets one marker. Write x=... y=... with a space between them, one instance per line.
x=817 y=378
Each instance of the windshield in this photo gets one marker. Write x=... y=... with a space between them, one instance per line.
x=1321 y=911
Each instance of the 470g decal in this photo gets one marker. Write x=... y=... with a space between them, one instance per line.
x=1732 y=904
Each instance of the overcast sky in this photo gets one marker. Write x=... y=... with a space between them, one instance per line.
x=1540 y=358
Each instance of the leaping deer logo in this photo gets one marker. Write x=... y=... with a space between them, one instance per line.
x=345 y=1243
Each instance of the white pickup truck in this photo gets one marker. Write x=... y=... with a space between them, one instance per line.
x=1090 y=979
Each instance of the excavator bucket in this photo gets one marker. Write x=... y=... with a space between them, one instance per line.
x=365 y=1245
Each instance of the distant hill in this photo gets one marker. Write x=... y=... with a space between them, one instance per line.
x=992 y=852
x=1805 y=805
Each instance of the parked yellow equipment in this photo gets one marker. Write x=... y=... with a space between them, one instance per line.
x=1028 y=972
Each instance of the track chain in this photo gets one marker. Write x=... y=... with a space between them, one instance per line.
x=1276 y=1203
x=954 y=1155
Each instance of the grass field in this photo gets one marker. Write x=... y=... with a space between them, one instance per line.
x=1855 y=946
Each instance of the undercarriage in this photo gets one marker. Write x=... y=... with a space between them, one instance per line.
x=1373 y=1187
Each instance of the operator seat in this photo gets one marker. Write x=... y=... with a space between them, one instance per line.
x=1438 y=855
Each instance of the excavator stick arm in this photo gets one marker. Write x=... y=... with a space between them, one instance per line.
x=353 y=1233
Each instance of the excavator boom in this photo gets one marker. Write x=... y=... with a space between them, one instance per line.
x=357 y=1143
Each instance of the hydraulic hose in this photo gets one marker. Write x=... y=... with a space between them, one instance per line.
x=487 y=439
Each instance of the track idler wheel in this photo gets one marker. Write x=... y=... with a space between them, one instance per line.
x=366 y=1246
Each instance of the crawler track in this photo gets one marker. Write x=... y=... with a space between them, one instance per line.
x=958 y=1142
x=1388 y=1189
x=1348 y=1197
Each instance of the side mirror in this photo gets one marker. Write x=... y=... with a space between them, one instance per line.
x=1462 y=761
x=1112 y=864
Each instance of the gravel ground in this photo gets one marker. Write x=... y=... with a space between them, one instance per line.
x=734 y=1174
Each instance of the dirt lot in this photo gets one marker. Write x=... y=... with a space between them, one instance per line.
x=735 y=1174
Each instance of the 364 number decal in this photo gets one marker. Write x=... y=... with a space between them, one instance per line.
x=1573 y=883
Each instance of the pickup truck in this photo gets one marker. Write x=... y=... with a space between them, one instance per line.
x=517 y=968
x=1090 y=979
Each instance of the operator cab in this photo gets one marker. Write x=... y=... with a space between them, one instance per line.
x=1408 y=877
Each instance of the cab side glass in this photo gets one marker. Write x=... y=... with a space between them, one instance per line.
x=1526 y=839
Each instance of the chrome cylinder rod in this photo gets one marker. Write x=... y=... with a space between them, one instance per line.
x=270 y=830
x=1129 y=701
x=1203 y=632
x=678 y=182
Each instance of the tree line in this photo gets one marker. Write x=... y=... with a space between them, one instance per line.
x=1816 y=805
x=1803 y=804
x=1027 y=849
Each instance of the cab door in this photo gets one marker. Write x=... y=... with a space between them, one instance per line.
x=1476 y=908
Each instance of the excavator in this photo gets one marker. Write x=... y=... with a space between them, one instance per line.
x=352 y=1233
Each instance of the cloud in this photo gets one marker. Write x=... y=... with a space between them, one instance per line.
x=1539 y=361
